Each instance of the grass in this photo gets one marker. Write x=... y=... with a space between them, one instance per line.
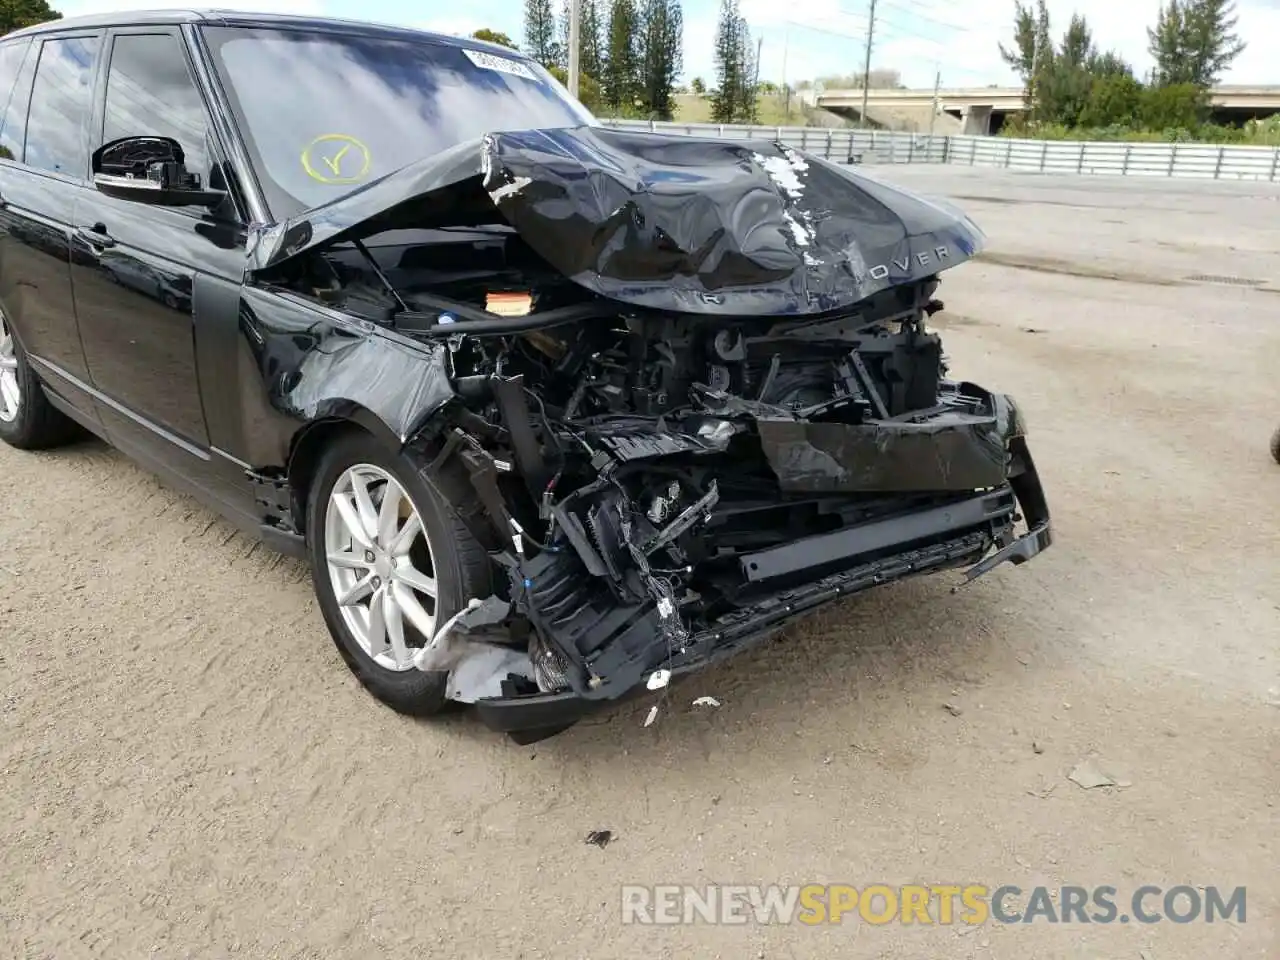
x=772 y=112
x=1264 y=133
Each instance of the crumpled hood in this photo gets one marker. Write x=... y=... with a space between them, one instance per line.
x=712 y=226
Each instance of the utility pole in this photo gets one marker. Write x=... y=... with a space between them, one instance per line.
x=575 y=13
x=786 y=87
x=937 y=84
x=1035 y=70
x=866 y=69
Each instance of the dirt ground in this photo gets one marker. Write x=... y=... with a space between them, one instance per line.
x=188 y=770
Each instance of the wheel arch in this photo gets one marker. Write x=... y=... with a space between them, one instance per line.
x=310 y=441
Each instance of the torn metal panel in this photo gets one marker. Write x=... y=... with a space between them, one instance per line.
x=715 y=226
x=397 y=384
x=305 y=368
x=700 y=226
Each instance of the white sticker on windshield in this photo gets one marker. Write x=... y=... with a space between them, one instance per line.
x=502 y=64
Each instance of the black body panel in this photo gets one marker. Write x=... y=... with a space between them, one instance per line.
x=135 y=296
x=36 y=219
x=714 y=227
x=297 y=365
x=722 y=408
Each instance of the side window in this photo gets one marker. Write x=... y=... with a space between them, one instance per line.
x=61 y=102
x=11 y=56
x=14 y=133
x=150 y=93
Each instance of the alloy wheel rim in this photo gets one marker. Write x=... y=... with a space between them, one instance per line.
x=375 y=548
x=10 y=391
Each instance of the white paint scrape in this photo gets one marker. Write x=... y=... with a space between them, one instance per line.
x=509 y=189
x=798 y=230
x=784 y=171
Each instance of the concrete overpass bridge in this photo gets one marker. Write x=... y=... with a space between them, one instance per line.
x=983 y=110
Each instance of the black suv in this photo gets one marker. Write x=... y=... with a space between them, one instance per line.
x=555 y=411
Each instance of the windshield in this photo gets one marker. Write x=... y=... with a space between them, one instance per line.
x=323 y=114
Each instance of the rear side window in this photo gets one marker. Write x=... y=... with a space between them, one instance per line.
x=11 y=56
x=150 y=93
x=61 y=102
x=14 y=134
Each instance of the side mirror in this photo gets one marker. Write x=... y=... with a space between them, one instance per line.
x=150 y=170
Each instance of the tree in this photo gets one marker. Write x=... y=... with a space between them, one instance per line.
x=1212 y=42
x=1194 y=41
x=622 y=60
x=1077 y=44
x=590 y=38
x=16 y=14
x=698 y=86
x=1114 y=100
x=1064 y=82
x=540 y=32
x=1064 y=79
x=493 y=36
x=728 y=58
x=662 y=40
x=1062 y=92
x=1165 y=43
x=1172 y=106
x=1030 y=40
x=589 y=94
x=1109 y=64
x=734 y=100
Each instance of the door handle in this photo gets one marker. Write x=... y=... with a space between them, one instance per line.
x=96 y=236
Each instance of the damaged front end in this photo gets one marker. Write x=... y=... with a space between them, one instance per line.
x=674 y=489
x=694 y=392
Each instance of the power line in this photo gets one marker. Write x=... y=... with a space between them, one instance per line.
x=899 y=31
x=914 y=11
x=951 y=66
x=892 y=29
x=827 y=31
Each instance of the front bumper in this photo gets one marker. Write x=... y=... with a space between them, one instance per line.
x=957 y=535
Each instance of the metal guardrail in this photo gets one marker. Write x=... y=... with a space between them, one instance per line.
x=833 y=143
x=1183 y=160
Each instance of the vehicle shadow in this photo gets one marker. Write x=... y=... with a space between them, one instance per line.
x=848 y=679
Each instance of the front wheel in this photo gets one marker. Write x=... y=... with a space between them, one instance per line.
x=1275 y=445
x=28 y=420
x=390 y=563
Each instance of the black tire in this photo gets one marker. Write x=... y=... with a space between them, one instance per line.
x=1275 y=445
x=39 y=425
x=462 y=566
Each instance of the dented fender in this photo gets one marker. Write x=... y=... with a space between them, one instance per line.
x=300 y=365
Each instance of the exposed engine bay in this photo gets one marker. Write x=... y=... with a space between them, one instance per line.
x=658 y=477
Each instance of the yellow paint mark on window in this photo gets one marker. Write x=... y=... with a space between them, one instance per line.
x=336 y=158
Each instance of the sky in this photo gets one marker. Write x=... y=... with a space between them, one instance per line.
x=804 y=39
